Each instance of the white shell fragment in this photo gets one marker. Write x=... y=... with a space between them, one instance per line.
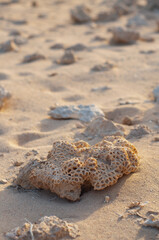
x=84 y=113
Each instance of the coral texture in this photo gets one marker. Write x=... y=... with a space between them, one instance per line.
x=71 y=166
x=47 y=228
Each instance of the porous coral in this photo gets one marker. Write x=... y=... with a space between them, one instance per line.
x=47 y=228
x=71 y=166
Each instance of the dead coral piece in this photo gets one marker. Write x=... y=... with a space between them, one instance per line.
x=77 y=47
x=70 y=166
x=8 y=46
x=81 y=14
x=3 y=181
x=4 y=95
x=123 y=36
x=33 y=57
x=101 y=127
x=84 y=113
x=137 y=205
x=67 y=58
x=47 y=228
x=151 y=222
x=139 y=132
x=103 y=67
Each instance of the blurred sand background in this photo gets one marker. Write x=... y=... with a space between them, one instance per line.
x=35 y=86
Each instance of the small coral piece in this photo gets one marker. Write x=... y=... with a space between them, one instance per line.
x=151 y=221
x=103 y=67
x=8 y=46
x=85 y=113
x=47 y=228
x=81 y=14
x=123 y=36
x=71 y=166
x=33 y=57
x=67 y=58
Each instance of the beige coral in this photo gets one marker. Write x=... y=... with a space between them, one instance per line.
x=47 y=228
x=71 y=166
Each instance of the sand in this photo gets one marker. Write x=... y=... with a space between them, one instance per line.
x=38 y=85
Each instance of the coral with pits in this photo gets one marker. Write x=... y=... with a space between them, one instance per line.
x=71 y=166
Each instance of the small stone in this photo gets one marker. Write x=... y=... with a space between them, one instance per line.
x=34 y=4
x=17 y=163
x=99 y=38
x=8 y=46
x=106 y=16
x=58 y=46
x=107 y=199
x=67 y=58
x=137 y=21
x=100 y=89
x=146 y=39
x=81 y=14
x=124 y=36
x=127 y=121
x=77 y=47
x=33 y=57
x=156 y=94
x=139 y=132
x=52 y=74
x=20 y=40
x=84 y=113
x=103 y=67
x=3 y=181
x=156 y=139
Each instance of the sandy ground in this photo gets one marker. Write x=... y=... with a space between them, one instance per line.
x=25 y=125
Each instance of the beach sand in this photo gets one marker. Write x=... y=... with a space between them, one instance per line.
x=38 y=85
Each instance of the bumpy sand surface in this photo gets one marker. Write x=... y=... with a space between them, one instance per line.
x=29 y=70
